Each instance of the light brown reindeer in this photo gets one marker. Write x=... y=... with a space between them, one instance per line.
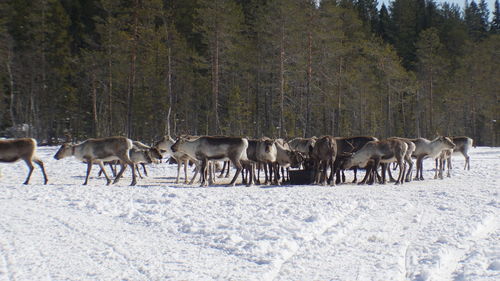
x=21 y=149
x=100 y=150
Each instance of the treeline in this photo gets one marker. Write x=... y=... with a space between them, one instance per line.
x=90 y=68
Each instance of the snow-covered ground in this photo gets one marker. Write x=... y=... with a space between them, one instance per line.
x=432 y=230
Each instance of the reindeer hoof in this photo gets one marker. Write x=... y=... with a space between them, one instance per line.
x=133 y=183
x=108 y=182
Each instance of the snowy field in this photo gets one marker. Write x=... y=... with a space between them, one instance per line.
x=432 y=230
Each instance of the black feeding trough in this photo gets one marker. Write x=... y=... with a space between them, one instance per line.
x=302 y=176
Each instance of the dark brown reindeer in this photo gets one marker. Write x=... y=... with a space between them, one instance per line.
x=323 y=154
x=208 y=148
x=99 y=150
x=21 y=149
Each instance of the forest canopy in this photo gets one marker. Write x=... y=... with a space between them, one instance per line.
x=280 y=68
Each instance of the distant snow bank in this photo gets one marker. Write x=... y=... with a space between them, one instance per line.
x=431 y=230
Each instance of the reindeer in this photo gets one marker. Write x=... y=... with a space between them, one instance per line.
x=286 y=158
x=443 y=159
x=303 y=145
x=165 y=144
x=144 y=155
x=323 y=154
x=346 y=146
x=426 y=148
x=21 y=149
x=99 y=150
x=462 y=145
x=385 y=151
x=408 y=160
x=266 y=155
x=208 y=148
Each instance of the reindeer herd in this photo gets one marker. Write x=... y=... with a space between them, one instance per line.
x=326 y=157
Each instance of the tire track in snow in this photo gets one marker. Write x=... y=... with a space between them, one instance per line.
x=42 y=211
x=450 y=258
x=345 y=223
x=5 y=263
x=9 y=265
x=408 y=257
x=127 y=259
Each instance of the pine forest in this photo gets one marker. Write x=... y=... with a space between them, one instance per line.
x=75 y=69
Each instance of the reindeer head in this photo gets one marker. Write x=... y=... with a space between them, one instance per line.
x=296 y=158
x=164 y=144
x=268 y=145
x=176 y=146
x=155 y=153
x=448 y=143
x=65 y=150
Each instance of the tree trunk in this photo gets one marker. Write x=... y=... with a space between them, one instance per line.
x=11 y=90
x=282 y=78
x=431 y=102
x=308 y=87
x=169 y=78
x=95 y=124
x=339 y=97
x=133 y=58
x=110 y=87
x=389 y=104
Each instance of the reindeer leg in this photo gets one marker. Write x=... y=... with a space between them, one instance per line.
x=228 y=168
x=144 y=169
x=236 y=163
x=30 y=167
x=186 y=163
x=89 y=168
x=448 y=174
x=101 y=165
x=402 y=167
x=265 y=172
x=134 y=179
x=437 y=168
x=410 y=166
x=40 y=164
x=210 y=173
x=179 y=163
x=136 y=167
x=250 y=176
x=385 y=167
x=223 y=170
x=391 y=178
x=196 y=171
x=120 y=173
x=367 y=175
x=203 y=174
x=422 y=168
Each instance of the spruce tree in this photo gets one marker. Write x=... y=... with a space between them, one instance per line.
x=495 y=23
x=383 y=27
